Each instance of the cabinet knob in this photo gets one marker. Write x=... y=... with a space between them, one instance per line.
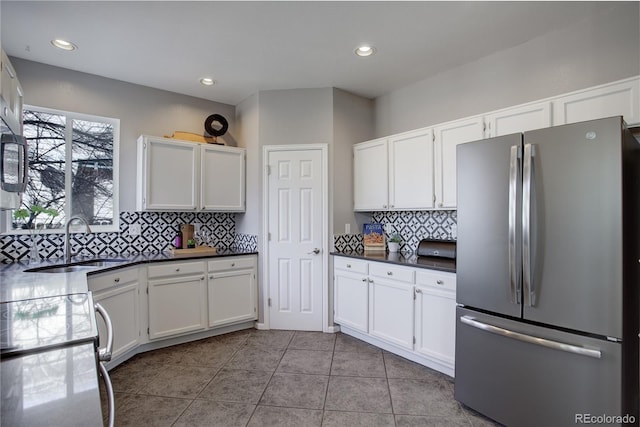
x=348 y=265
x=418 y=291
x=177 y=269
x=370 y=280
x=389 y=273
x=440 y=204
x=233 y=264
x=440 y=282
x=364 y=280
x=384 y=206
x=117 y=280
x=210 y=277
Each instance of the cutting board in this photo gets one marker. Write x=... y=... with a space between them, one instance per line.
x=193 y=252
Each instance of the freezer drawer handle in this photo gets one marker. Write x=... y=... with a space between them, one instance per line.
x=531 y=340
x=110 y=396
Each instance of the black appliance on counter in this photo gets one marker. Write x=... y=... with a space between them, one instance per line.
x=437 y=253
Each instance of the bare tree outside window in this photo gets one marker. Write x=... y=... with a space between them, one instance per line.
x=71 y=171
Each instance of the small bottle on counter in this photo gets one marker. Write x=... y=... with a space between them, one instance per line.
x=177 y=241
x=191 y=244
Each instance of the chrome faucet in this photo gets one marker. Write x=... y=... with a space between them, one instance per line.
x=67 y=243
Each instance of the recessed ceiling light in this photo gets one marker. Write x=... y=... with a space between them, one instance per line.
x=63 y=44
x=365 y=50
x=207 y=81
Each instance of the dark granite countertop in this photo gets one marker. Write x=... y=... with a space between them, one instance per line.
x=403 y=258
x=19 y=285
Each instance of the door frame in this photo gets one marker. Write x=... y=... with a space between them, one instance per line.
x=266 y=150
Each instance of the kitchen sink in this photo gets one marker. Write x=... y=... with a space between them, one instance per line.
x=76 y=266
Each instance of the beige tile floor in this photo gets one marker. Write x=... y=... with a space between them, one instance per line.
x=283 y=378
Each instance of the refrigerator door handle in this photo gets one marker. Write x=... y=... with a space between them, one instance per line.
x=514 y=276
x=527 y=173
x=569 y=348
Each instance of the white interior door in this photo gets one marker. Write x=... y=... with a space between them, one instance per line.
x=295 y=225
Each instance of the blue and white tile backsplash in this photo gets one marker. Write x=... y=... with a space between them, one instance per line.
x=412 y=226
x=157 y=230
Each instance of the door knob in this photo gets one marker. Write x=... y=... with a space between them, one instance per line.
x=316 y=251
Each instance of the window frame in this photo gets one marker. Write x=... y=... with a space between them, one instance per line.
x=70 y=116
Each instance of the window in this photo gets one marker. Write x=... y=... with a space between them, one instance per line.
x=72 y=171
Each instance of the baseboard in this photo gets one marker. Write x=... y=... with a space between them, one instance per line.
x=332 y=329
x=261 y=327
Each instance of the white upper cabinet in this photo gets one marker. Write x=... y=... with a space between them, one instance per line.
x=518 y=119
x=11 y=97
x=370 y=175
x=447 y=137
x=222 y=178
x=411 y=170
x=417 y=169
x=616 y=99
x=176 y=175
x=167 y=172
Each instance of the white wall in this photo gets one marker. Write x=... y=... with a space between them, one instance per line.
x=603 y=49
x=247 y=125
x=353 y=121
x=141 y=110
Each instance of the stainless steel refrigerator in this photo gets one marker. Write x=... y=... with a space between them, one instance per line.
x=548 y=271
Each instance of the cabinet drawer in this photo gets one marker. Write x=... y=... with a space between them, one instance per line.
x=350 y=264
x=392 y=272
x=446 y=281
x=231 y=263
x=176 y=268
x=113 y=278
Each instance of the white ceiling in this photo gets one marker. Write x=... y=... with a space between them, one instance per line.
x=252 y=46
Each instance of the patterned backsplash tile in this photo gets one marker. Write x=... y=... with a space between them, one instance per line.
x=412 y=226
x=157 y=230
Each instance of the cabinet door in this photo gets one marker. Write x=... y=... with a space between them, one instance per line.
x=177 y=305
x=370 y=176
x=170 y=169
x=435 y=323
x=616 y=99
x=447 y=137
x=411 y=170
x=232 y=297
x=519 y=119
x=122 y=304
x=350 y=304
x=11 y=97
x=391 y=312
x=222 y=186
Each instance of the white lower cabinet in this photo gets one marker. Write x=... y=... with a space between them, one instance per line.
x=391 y=303
x=410 y=308
x=435 y=313
x=177 y=298
x=351 y=294
x=119 y=294
x=232 y=291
